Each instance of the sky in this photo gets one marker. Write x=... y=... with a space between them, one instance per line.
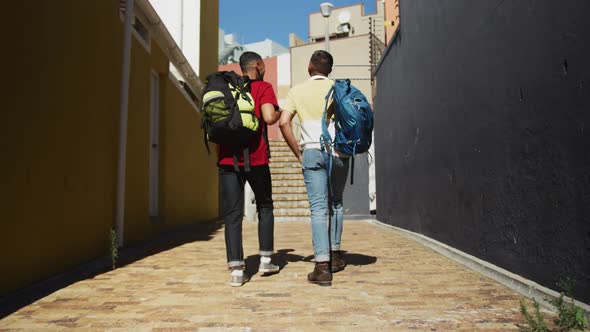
x=255 y=20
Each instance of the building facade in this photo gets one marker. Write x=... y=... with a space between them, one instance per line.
x=230 y=48
x=62 y=137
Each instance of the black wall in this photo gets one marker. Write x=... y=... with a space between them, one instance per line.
x=483 y=132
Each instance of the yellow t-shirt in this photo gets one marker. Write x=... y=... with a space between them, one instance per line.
x=308 y=101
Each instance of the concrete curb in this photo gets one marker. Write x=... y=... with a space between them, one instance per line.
x=358 y=217
x=521 y=285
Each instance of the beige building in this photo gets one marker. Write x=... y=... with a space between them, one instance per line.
x=353 y=36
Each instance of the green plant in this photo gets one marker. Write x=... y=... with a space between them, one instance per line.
x=570 y=316
x=535 y=321
x=114 y=248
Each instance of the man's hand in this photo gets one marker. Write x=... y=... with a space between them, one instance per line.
x=330 y=112
x=285 y=126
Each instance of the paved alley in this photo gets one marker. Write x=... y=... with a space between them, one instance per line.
x=390 y=284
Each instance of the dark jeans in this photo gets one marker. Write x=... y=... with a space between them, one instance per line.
x=233 y=183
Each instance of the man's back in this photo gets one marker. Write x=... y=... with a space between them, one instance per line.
x=308 y=100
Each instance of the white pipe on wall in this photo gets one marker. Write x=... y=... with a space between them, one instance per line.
x=181 y=23
x=124 y=109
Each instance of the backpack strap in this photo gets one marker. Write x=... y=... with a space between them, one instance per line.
x=352 y=163
x=330 y=162
x=352 y=170
x=205 y=137
x=326 y=140
x=231 y=79
x=206 y=140
x=246 y=154
x=242 y=86
x=246 y=159
x=236 y=158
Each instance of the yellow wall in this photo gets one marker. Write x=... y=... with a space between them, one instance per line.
x=137 y=225
x=188 y=175
x=209 y=38
x=60 y=139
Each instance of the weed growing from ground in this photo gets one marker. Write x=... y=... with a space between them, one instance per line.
x=114 y=248
x=569 y=315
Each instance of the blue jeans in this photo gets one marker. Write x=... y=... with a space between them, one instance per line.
x=323 y=203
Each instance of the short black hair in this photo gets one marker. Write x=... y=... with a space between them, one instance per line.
x=247 y=58
x=322 y=62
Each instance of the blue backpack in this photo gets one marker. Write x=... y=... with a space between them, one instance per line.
x=353 y=122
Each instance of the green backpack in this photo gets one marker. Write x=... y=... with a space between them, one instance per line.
x=228 y=113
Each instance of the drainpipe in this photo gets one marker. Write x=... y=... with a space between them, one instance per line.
x=124 y=107
x=181 y=23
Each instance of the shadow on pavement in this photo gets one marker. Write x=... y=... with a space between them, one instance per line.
x=351 y=259
x=199 y=231
x=359 y=259
x=285 y=257
x=282 y=258
x=166 y=240
x=252 y=262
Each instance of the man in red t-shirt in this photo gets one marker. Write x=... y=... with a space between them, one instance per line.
x=232 y=181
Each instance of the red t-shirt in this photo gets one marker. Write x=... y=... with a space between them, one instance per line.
x=262 y=93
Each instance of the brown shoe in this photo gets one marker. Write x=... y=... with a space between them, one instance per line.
x=321 y=274
x=338 y=262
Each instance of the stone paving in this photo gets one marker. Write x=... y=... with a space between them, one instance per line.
x=390 y=284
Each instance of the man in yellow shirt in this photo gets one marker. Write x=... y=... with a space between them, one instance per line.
x=307 y=100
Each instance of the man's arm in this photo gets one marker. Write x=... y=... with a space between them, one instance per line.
x=286 y=130
x=269 y=113
x=330 y=112
x=268 y=103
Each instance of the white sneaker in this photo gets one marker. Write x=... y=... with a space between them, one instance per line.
x=266 y=266
x=238 y=277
